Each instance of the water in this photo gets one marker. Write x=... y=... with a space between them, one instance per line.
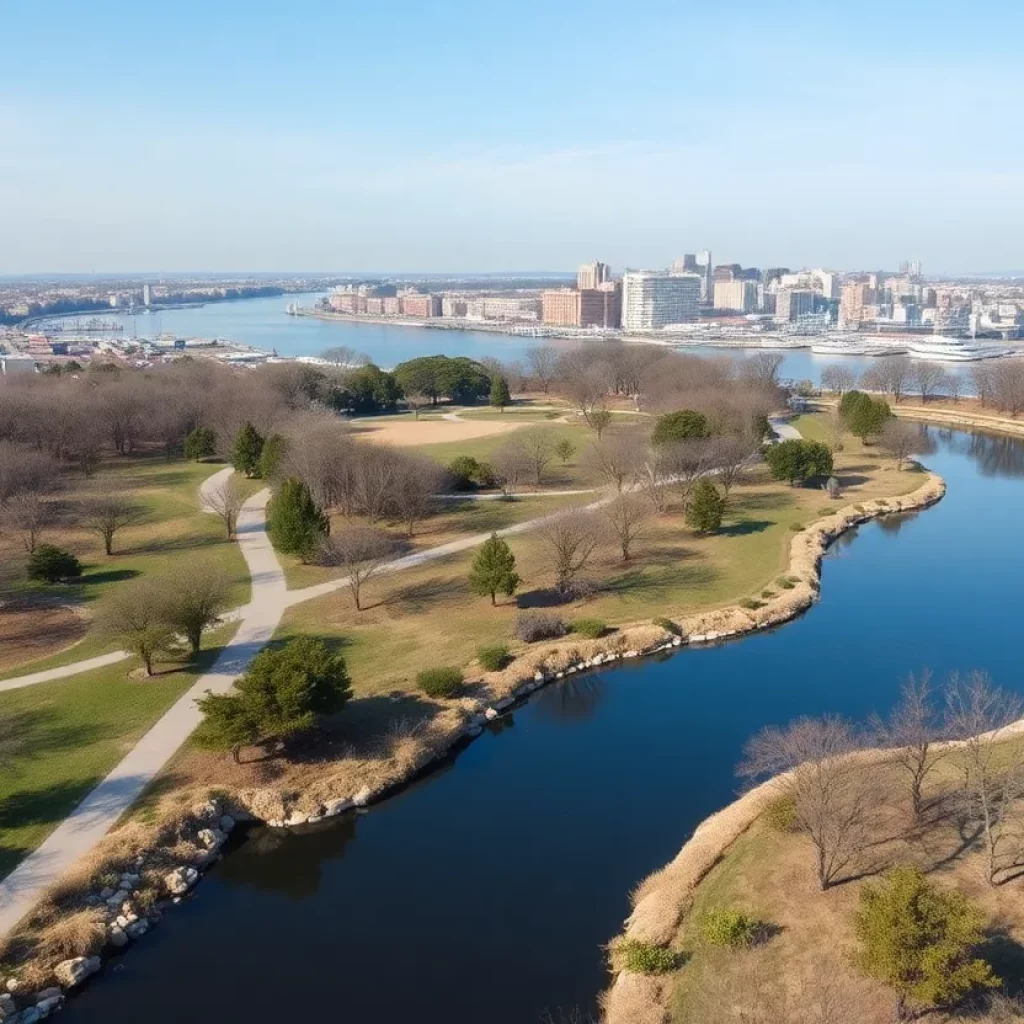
x=264 y=324
x=485 y=892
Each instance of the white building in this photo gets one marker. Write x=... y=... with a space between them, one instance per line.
x=145 y=295
x=740 y=296
x=652 y=300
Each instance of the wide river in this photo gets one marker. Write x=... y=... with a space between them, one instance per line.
x=264 y=324
x=485 y=891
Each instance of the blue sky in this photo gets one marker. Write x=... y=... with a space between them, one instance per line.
x=456 y=136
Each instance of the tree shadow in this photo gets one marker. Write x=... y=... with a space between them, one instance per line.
x=543 y=597
x=745 y=527
x=188 y=542
x=851 y=480
x=108 y=576
x=416 y=596
x=1006 y=955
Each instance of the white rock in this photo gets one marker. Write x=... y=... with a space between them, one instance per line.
x=362 y=798
x=538 y=676
x=335 y=807
x=211 y=838
x=12 y=985
x=677 y=641
x=180 y=880
x=73 y=972
x=118 y=937
x=296 y=818
x=559 y=675
x=227 y=823
x=490 y=714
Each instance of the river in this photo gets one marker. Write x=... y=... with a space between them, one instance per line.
x=484 y=892
x=264 y=324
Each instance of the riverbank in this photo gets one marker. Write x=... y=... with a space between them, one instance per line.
x=171 y=838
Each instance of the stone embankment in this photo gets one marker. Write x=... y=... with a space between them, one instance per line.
x=141 y=870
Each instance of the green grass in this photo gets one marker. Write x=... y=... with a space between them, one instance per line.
x=60 y=739
x=174 y=529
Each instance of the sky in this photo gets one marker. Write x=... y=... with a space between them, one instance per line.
x=482 y=135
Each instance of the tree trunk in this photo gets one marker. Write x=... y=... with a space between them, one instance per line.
x=236 y=753
x=147 y=661
x=494 y=600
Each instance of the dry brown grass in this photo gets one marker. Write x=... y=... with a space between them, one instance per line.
x=30 y=630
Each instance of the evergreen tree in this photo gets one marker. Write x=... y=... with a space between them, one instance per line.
x=270 y=457
x=52 y=564
x=862 y=414
x=247 y=449
x=500 y=396
x=921 y=941
x=201 y=443
x=684 y=425
x=706 y=508
x=283 y=692
x=494 y=570
x=294 y=521
x=797 y=460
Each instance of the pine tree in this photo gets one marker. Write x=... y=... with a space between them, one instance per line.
x=294 y=521
x=494 y=570
x=271 y=455
x=500 y=396
x=200 y=444
x=706 y=508
x=920 y=941
x=247 y=449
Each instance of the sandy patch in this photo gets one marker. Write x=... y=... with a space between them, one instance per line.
x=412 y=432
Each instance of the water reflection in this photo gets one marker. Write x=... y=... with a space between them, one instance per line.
x=574 y=699
x=892 y=524
x=995 y=455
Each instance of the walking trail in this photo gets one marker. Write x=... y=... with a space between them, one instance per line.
x=93 y=818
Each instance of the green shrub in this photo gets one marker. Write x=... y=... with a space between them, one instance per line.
x=731 y=929
x=750 y=603
x=766 y=594
x=590 y=628
x=494 y=658
x=780 y=814
x=52 y=564
x=796 y=527
x=641 y=957
x=553 y=414
x=440 y=682
x=668 y=625
x=785 y=583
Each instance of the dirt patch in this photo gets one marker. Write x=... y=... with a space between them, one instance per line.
x=29 y=632
x=417 y=432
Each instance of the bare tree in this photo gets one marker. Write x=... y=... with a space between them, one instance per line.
x=979 y=717
x=731 y=457
x=762 y=368
x=570 y=539
x=619 y=456
x=543 y=365
x=416 y=400
x=953 y=386
x=913 y=733
x=686 y=461
x=890 y=375
x=585 y=383
x=107 y=515
x=226 y=501
x=195 y=597
x=377 y=469
x=983 y=379
x=838 y=378
x=627 y=514
x=1008 y=385
x=345 y=357
x=29 y=513
x=651 y=477
x=538 y=444
x=24 y=471
x=929 y=378
x=836 y=429
x=512 y=466
x=361 y=551
x=412 y=493
x=135 y=617
x=813 y=760
x=901 y=440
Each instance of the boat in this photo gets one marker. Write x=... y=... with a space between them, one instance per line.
x=944 y=349
x=839 y=347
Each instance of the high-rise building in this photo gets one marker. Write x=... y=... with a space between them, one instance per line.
x=793 y=303
x=583 y=307
x=560 y=307
x=590 y=275
x=705 y=269
x=652 y=300
x=738 y=295
x=852 y=301
x=145 y=295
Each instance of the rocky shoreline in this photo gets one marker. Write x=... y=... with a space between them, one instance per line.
x=142 y=870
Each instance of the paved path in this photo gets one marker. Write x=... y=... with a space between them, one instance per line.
x=785 y=430
x=101 y=809
x=63 y=671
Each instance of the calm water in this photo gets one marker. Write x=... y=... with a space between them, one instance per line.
x=485 y=892
x=264 y=324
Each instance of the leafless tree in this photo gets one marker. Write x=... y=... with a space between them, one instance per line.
x=902 y=440
x=570 y=539
x=412 y=493
x=107 y=515
x=226 y=501
x=543 y=365
x=983 y=379
x=687 y=461
x=619 y=456
x=979 y=717
x=345 y=357
x=24 y=471
x=377 y=469
x=651 y=477
x=323 y=455
x=762 y=368
x=512 y=466
x=627 y=515
x=914 y=733
x=891 y=375
x=585 y=383
x=1008 y=385
x=953 y=386
x=362 y=551
x=135 y=618
x=838 y=378
x=731 y=457
x=815 y=765
x=929 y=378
x=416 y=400
x=29 y=513
x=195 y=597
x=538 y=445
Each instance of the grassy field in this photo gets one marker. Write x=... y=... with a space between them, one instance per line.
x=59 y=739
x=174 y=529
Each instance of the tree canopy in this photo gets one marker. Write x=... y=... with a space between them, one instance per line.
x=459 y=379
x=247 y=449
x=797 y=460
x=862 y=414
x=294 y=521
x=684 y=425
x=706 y=507
x=494 y=569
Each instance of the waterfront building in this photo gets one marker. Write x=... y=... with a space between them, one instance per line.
x=560 y=307
x=392 y=305
x=653 y=300
x=853 y=300
x=453 y=305
x=347 y=302
x=591 y=275
x=829 y=282
x=423 y=305
x=705 y=270
x=738 y=295
x=145 y=295
x=793 y=303
x=504 y=307
x=582 y=307
x=374 y=306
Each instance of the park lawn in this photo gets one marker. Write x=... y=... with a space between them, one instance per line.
x=175 y=529
x=60 y=739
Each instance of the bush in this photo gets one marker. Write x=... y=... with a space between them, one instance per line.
x=706 y=508
x=780 y=814
x=590 y=628
x=796 y=527
x=469 y=473
x=295 y=524
x=731 y=929
x=798 y=460
x=785 y=583
x=533 y=626
x=668 y=625
x=750 y=603
x=495 y=658
x=646 y=958
x=766 y=594
x=52 y=564
x=440 y=682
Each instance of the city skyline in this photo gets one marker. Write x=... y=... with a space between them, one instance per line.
x=250 y=137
